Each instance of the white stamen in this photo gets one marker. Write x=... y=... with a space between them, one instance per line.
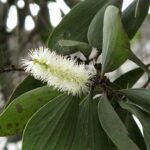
x=58 y=71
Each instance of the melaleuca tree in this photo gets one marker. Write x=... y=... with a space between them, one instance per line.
x=76 y=106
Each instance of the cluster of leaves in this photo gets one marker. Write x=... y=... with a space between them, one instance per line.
x=51 y=120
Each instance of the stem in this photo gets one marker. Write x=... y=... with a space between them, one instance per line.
x=92 y=91
x=146 y=84
x=136 y=60
x=13 y=68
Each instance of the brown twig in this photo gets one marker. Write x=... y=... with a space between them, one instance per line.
x=146 y=84
x=11 y=69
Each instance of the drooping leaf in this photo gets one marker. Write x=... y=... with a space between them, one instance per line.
x=128 y=79
x=144 y=118
x=74 y=25
x=131 y=21
x=76 y=46
x=113 y=126
x=116 y=45
x=89 y=134
x=95 y=31
x=15 y=116
x=53 y=126
x=140 y=97
x=134 y=132
x=26 y=85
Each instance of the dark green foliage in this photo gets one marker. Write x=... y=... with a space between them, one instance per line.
x=54 y=124
x=15 y=116
x=134 y=16
x=89 y=133
x=95 y=31
x=116 y=47
x=75 y=25
x=113 y=126
x=126 y=80
x=53 y=120
x=27 y=84
x=140 y=97
x=144 y=118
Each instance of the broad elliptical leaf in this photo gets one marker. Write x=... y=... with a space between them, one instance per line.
x=116 y=46
x=15 y=116
x=95 y=31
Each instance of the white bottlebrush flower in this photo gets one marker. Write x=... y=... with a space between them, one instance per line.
x=58 y=71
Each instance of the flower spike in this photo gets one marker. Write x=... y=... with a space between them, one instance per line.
x=58 y=71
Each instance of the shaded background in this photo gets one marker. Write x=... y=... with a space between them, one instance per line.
x=26 y=24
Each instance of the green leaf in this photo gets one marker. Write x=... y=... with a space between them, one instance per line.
x=144 y=118
x=140 y=63
x=74 y=25
x=26 y=85
x=38 y=1
x=147 y=139
x=140 y=97
x=15 y=116
x=95 y=31
x=113 y=126
x=71 y=3
x=116 y=45
x=128 y=79
x=53 y=126
x=137 y=8
x=76 y=46
x=134 y=132
x=89 y=134
x=130 y=21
